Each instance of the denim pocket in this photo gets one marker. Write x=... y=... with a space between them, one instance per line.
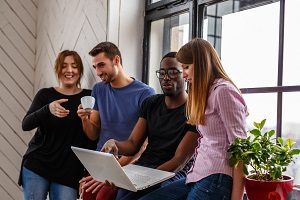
x=223 y=183
x=213 y=187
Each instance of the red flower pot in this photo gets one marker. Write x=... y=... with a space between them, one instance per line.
x=268 y=190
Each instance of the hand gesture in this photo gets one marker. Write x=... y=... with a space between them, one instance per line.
x=57 y=110
x=110 y=147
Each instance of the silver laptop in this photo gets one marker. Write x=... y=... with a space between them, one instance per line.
x=104 y=166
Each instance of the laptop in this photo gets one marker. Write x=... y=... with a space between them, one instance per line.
x=104 y=166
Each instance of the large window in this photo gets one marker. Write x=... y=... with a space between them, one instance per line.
x=247 y=42
x=290 y=77
x=250 y=43
x=165 y=33
x=258 y=43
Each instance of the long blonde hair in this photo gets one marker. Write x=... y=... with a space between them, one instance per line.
x=207 y=68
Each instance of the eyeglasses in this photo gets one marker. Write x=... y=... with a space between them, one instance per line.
x=172 y=73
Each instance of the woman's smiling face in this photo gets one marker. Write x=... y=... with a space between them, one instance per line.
x=69 y=74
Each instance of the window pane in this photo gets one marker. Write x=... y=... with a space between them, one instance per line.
x=247 y=41
x=291 y=128
x=291 y=69
x=262 y=106
x=166 y=35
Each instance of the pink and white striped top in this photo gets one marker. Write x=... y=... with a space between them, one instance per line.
x=225 y=120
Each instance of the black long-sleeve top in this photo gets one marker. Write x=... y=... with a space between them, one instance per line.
x=49 y=152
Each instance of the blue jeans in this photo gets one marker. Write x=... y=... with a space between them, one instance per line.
x=128 y=195
x=213 y=187
x=36 y=187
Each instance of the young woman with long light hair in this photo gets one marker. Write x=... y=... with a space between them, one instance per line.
x=216 y=106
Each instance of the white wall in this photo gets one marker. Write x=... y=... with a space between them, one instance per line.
x=83 y=24
x=32 y=33
x=126 y=29
x=17 y=55
x=75 y=25
x=131 y=36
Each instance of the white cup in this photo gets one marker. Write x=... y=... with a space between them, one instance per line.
x=87 y=103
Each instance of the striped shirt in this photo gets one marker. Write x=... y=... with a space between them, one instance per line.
x=225 y=120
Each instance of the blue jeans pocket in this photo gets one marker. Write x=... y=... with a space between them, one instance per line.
x=213 y=187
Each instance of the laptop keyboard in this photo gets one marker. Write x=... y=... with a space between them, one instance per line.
x=139 y=178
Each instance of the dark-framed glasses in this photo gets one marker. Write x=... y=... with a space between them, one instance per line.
x=172 y=73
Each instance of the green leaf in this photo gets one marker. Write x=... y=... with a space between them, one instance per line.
x=294 y=152
x=256 y=146
x=280 y=140
x=262 y=123
x=290 y=142
x=271 y=133
x=247 y=153
x=256 y=125
x=255 y=132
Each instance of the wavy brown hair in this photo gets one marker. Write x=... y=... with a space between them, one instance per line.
x=207 y=68
x=60 y=61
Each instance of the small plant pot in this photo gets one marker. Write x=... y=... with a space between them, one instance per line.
x=268 y=190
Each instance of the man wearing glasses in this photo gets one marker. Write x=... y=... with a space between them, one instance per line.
x=172 y=73
x=171 y=142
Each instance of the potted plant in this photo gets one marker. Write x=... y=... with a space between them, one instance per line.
x=266 y=158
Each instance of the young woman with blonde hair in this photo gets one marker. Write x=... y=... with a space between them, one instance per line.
x=216 y=106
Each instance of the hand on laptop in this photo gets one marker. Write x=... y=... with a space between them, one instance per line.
x=110 y=147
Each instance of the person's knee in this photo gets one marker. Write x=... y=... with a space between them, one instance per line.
x=107 y=193
x=88 y=195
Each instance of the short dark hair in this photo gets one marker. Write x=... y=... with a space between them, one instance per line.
x=108 y=48
x=171 y=54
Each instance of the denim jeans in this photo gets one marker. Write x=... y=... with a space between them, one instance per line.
x=36 y=187
x=213 y=187
x=128 y=195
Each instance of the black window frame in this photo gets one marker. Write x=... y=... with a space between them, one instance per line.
x=161 y=10
x=164 y=9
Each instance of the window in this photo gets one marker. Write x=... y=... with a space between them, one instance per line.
x=247 y=37
x=257 y=41
x=167 y=32
x=291 y=70
x=247 y=42
x=166 y=35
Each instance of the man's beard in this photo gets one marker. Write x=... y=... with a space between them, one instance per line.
x=169 y=93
